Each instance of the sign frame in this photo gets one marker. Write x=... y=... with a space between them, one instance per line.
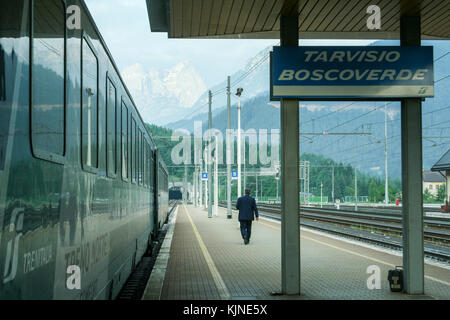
x=337 y=98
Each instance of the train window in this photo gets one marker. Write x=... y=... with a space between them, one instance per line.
x=124 y=141
x=111 y=127
x=152 y=170
x=48 y=75
x=89 y=106
x=133 y=150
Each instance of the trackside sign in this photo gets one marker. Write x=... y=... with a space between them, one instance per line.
x=352 y=72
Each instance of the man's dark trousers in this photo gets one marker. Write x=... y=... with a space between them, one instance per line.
x=246 y=229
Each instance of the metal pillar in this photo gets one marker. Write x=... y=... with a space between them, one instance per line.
x=256 y=192
x=356 y=179
x=229 y=214
x=245 y=171
x=194 y=184
x=239 y=187
x=209 y=157
x=216 y=177
x=412 y=200
x=206 y=182
x=290 y=153
x=200 y=187
x=332 y=184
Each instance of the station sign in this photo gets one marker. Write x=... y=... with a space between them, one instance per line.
x=234 y=175
x=204 y=176
x=352 y=72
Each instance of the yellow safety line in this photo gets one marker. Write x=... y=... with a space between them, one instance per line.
x=358 y=254
x=220 y=284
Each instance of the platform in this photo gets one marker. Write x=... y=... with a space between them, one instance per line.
x=205 y=258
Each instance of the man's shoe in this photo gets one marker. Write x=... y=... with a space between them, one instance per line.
x=246 y=241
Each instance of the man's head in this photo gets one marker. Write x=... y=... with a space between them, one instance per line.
x=247 y=192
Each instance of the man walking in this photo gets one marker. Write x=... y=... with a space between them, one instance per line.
x=247 y=211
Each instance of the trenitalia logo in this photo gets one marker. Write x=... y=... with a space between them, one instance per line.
x=12 y=251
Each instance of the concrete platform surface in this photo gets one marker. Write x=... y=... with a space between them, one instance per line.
x=208 y=260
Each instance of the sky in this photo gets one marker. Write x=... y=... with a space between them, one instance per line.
x=125 y=26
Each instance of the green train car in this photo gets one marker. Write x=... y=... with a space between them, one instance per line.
x=81 y=182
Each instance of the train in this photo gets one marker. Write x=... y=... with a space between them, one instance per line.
x=83 y=188
x=175 y=193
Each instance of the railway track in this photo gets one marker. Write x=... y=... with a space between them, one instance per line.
x=341 y=222
x=135 y=285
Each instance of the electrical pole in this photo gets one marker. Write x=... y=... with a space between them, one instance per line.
x=356 y=180
x=261 y=190
x=209 y=156
x=256 y=179
x=185 y=197
x=200 y=186
x=206 y=181
x=194 y=184
x=386 y=183
x=321 y=193
x=245 y=171
x=216 y=177
x=332 y=183
x=239 y=191
x=229 y=215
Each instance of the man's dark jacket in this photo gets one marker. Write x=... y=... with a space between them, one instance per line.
x=246 y=206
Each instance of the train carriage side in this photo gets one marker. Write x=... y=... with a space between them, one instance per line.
x=76 y=167
x=163 y=186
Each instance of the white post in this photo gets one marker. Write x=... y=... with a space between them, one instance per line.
x=356 y=181
x=216 y=177
x=200 y=184
x=206 y=181
x=239 y=191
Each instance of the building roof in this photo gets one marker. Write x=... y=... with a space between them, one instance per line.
x=429 y=176
x=318 y=19
x=443 y=163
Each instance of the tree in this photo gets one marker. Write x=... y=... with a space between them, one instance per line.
x=373 y=192
x=441 y=193
x=427 y=196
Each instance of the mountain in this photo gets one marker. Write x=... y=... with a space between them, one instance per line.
x=340 y=118
x=160 y=94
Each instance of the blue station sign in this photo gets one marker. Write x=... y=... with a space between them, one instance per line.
x=352 y=72
x=234 y=175
x=204 y=176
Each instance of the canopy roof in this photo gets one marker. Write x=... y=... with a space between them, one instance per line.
x=318 y=19
x=443 y=163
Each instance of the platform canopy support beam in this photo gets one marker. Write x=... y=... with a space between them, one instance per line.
x=290 y=155
x=412 y=197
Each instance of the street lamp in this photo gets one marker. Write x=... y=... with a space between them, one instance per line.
x=238 y=93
